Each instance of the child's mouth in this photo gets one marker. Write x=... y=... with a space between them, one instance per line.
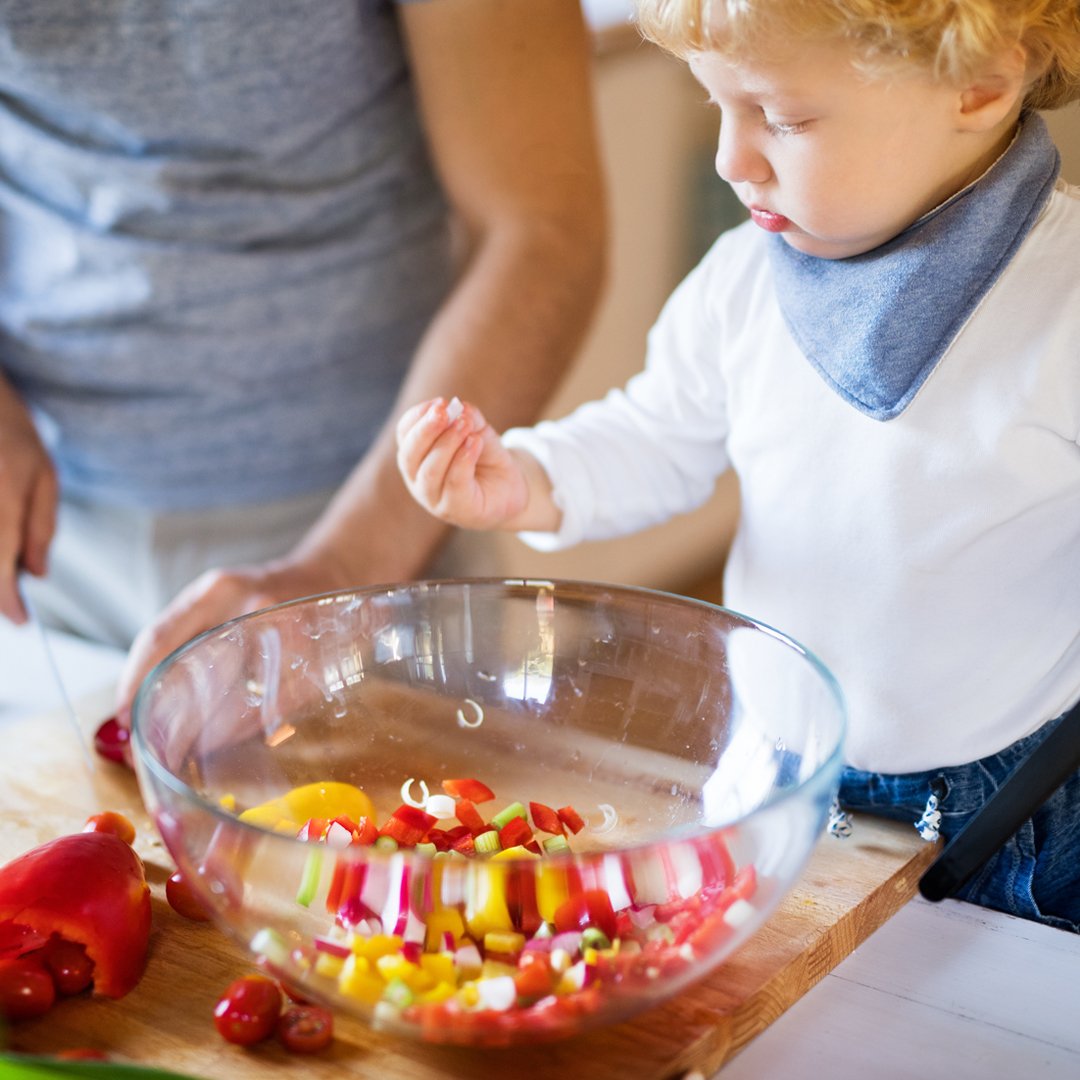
x=768 y=220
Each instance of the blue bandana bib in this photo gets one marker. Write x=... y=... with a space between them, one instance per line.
x=875 y=326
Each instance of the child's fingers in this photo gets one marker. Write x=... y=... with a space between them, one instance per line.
x=411 y=416
x=425 y=464
x=416 y=440
x=460 y=474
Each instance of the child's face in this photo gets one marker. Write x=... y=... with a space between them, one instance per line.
x=836 y=162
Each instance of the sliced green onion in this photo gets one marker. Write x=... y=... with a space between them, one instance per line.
x=386 y=843
x=592 y=937
x=309 y=880
x=430 y=850
x=398 y=993
x=508 y=814
x=271 y=946
x=488 y=842
x=553 y=845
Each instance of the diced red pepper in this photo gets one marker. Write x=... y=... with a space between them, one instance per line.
x=337 y=886
x=521 y=901
x=367 y=832
x=571 y=818
x=470 y=789
x=89 y=889
x=465 y=844
x=312 y=830
x=546 y=819
x=439 y=838
x=534 y=980
x=516 y=831
x=470 y=817
x=408 y=825
x=589 y=908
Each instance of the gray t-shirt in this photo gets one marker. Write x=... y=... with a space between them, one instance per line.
x=220 y=240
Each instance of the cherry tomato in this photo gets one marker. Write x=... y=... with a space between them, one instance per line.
x=26 y=989
x=113 y=742
x=305 y=1029
x=183 y=899
x=248 y=1010
x=71 y=969
x=111 y=822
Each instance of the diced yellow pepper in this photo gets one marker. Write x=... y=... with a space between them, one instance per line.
x=357 y=980
x=439 y=992
x=375 y=946
x=395 y=966
x=503 y=941
x=323 y=799
x=469 y=995
x=552 y=891
x=329 y=965
x=516 y=852
x=440 y=965
x=492 y=969
x=485 y=908
x=439 y=922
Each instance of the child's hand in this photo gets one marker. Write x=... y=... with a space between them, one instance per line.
x=456 y=467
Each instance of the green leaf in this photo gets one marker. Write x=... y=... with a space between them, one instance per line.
x=32 y=1067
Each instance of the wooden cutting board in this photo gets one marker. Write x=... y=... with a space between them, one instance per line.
x=849 y=889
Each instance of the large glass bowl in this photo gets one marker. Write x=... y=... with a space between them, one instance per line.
x=699 y=748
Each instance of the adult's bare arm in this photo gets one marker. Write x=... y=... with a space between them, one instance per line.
x=28 y=499
x=506 y=101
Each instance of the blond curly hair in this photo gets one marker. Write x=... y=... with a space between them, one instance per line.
x=952 y=39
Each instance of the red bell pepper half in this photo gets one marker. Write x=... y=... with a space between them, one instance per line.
x=89 y=889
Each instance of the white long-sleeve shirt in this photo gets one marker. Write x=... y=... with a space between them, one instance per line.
x=931 y=561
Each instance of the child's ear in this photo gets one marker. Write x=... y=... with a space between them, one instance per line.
x=995 y=92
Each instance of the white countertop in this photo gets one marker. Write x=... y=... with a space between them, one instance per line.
x=941 y=991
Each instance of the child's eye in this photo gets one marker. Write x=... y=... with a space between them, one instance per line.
x=779 y=127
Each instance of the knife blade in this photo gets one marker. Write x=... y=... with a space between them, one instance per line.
x=57 y=679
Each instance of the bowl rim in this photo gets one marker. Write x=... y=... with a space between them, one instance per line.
x=144 y=759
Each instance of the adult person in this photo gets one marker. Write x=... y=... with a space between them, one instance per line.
x=235 y=237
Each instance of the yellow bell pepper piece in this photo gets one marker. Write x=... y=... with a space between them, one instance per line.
x=552 y=891
x=322 y=799
x=485 y=905
x=357 y=980
x=440 y=966
x=371 y=948
x=439 y=992
x=445 y=920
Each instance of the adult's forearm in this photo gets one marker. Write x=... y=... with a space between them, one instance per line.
x=504 y=338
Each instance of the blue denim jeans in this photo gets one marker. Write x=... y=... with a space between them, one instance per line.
x=1036 y=875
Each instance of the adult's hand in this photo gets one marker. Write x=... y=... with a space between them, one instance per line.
x=28 y=501
x=211 y=599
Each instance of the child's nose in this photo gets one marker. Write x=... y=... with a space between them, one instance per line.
x=738 y=159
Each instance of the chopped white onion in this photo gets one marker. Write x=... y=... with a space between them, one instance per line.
x=464 y=721
x=406 y=793
x=441 y=807
x=610 y=818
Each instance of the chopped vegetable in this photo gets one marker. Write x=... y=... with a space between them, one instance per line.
x=289 y=812
x=473 y=790
x=522 y=937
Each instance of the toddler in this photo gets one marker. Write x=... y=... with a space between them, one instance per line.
x=887 y=355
